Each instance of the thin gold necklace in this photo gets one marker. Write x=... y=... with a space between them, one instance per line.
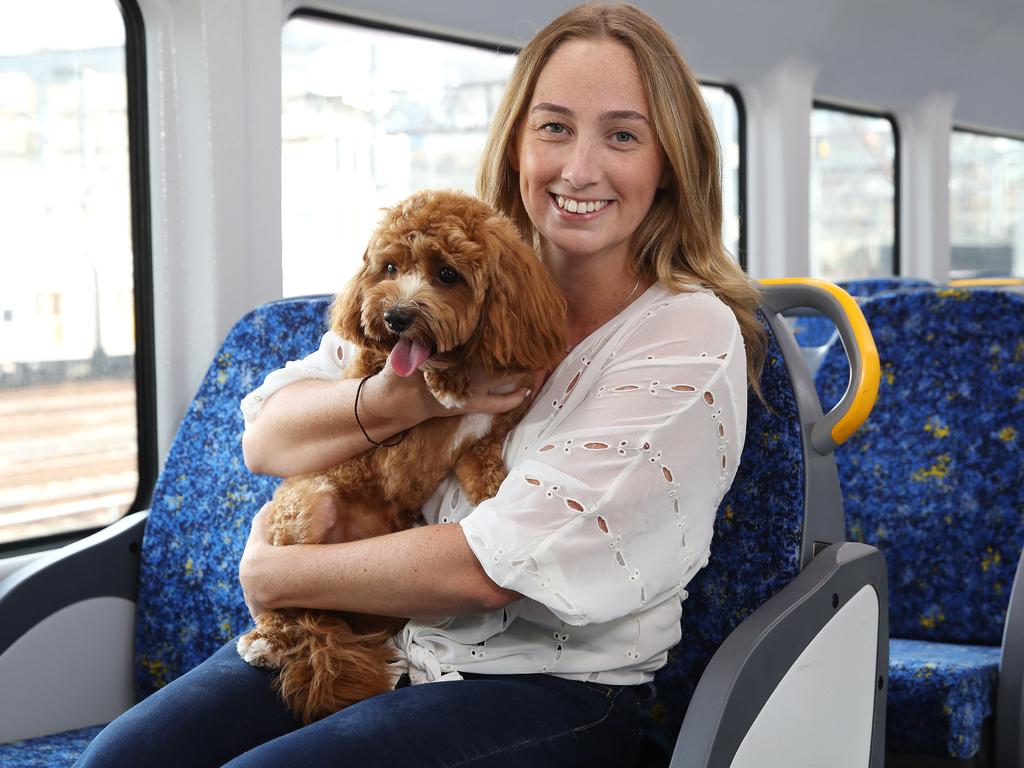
x=571 y=347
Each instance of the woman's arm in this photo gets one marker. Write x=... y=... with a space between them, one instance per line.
x=310 y=425
x=426 y=571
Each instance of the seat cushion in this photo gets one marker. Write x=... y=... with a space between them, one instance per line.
x=939 y=696
x=53 y=751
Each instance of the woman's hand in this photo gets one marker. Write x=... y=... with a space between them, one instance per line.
x=487 y=394
x=252 y=569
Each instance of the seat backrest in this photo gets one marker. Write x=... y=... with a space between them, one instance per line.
x=816 y=331
x=756 y=549
x=934 y=478
x=190 y=602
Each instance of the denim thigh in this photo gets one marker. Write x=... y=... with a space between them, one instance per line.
x=488 y=721
x=204 y=718
x=225 y=711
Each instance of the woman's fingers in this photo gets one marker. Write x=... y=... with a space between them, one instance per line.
x=248 y=567
x=492 y=403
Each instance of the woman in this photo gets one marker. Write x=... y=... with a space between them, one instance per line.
x=562 y=594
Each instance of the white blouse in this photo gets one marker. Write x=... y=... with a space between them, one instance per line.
x=615 y=475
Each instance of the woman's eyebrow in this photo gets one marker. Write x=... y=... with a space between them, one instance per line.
x=616 y=114
x=624 y=114
x=548 y=107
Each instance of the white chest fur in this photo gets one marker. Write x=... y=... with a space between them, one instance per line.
x=472 y=427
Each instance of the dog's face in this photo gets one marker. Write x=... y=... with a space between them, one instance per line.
x=445 y=278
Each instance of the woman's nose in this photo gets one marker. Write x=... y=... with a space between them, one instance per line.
x=579 y=169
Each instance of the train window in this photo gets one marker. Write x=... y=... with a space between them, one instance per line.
x=369 y=115
x=727 y=113
x=853 y=194
x=986 y=205
x=70 y=455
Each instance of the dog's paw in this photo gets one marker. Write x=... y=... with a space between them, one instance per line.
x=257 y=651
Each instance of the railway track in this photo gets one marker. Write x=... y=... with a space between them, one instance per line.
x=67 y=456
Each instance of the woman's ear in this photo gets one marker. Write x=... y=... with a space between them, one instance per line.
x=513 y=152
x=524 y=324
x=347 y=309
x=666 y=174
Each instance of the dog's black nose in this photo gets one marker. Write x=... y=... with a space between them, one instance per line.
x=397 y=319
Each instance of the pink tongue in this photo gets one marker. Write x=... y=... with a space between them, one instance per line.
x=407 y=356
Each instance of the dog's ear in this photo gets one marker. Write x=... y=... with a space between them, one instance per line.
x=524 y=312
x=347 y=307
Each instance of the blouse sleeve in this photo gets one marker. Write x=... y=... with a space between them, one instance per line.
x=327 y=363
x=613 y=511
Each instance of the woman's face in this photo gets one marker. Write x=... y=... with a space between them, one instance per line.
x=589 y=163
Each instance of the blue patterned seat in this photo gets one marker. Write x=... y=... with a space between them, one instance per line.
x=58 y=749
x=816 y=331
x=755 y=555
x=190 y=602
x=934 y=478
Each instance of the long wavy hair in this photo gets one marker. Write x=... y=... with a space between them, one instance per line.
x=679 y=242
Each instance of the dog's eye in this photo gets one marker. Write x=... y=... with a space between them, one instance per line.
x=447 y=275
x=391 y=269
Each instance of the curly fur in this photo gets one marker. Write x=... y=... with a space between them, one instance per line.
x=504 y=315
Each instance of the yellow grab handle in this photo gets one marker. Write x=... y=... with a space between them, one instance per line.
x=865 y=373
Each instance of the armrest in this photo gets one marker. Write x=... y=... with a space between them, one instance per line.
x=1010 y=702
x=66 y=623
x=802 y=680
x=105 y=564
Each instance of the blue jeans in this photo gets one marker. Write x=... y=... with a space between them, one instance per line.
x=224 y=712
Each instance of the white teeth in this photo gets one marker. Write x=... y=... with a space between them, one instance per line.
x=579 y=206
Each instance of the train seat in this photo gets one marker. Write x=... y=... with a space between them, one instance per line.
x=782 y=584
x=935 y=479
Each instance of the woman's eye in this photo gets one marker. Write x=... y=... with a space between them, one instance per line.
x=553 y=128
x=624 y=136
x=448 y=276
x=391 y=269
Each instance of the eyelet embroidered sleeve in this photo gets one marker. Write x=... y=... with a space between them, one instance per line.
x=609 y=504
x=326 y=363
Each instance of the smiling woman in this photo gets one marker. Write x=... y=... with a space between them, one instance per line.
x=664 y=343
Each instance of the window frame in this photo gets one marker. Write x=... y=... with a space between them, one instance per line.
x=890 y=117
x=741 y=191
x=142 y=264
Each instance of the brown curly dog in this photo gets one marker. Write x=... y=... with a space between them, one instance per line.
x=447 y=286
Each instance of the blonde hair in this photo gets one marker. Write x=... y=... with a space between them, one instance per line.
x=679 y=242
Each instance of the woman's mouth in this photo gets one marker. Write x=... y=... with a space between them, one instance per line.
x=579 y=207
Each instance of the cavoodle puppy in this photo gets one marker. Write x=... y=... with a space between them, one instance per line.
x=447 y=286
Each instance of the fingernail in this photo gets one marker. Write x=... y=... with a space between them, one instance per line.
x=528 y=393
